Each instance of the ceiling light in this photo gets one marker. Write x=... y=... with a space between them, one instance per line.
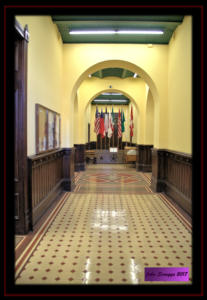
x=115 y=32
x=110 y=100
x=89 y=75
x=92 y=32
x=135 y=75
x=140 y=32
x=111 y=94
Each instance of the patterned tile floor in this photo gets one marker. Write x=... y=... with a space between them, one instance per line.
x=106 y=238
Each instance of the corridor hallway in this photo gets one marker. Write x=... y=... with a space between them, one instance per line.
x=105 y=232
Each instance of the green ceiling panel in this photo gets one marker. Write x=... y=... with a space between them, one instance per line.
x=166 y=23
x=117 y=72
x=112 y=99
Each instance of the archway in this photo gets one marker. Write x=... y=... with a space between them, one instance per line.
x=127 y=115
x=132 y=67
x=149 y=120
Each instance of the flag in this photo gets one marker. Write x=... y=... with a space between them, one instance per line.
x=119 y=125
x=106 y=122
x=97 y=122
x=102 y=131
x=122 y=121
x=112 y=119
x=131 y=126
x=110 y=130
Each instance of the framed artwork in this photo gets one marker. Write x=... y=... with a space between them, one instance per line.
x=57 y=131
x=47 y=129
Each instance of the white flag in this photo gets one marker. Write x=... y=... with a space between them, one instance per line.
x=110 y=129
x=106 y=123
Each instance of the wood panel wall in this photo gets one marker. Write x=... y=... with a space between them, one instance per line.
x=172 y=174
x=80 y=157
x=144 y=158
x=49 y=174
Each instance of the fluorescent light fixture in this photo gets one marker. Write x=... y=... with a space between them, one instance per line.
x=135 y=75
x=92 y=32
x=111 y=100
x=115 y=32
x=111 y=94
x=140 y=32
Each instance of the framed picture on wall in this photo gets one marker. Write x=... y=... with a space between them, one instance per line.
x=47 y=129
x=57 y=131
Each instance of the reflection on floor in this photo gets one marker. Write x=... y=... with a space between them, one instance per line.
x=106 y=232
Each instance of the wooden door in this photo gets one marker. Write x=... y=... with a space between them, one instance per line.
x=21 y=212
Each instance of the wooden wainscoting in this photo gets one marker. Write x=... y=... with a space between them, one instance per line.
x=49 y=174
x=144 y=158
x=172 y=174
x=80 y=157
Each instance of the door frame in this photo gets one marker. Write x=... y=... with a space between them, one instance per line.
x=22 y=211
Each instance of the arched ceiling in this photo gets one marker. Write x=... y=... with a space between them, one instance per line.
x=117 y=72
x=167 y=23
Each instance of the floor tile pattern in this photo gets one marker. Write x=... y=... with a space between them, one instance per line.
x=116 y=180
x=107 y=238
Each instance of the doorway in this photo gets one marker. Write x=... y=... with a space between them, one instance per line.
x=21 y=211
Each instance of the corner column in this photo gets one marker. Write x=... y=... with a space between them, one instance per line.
x=80 y=163
x=144 y=158
x=158 y=170
x=68 y=169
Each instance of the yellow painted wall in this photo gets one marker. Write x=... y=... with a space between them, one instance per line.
x=58 y=79
x=150 y=63
x=45 y=72
x=180 y=88
x=149 y=118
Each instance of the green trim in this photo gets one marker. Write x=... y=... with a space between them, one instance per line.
x=167 y=23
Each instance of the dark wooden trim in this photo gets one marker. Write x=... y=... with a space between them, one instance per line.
x=49 y=175
x=80 y=163
x=172 y=174
x=19 y=29
x=40 y=209
x=92 y=145
x=68 y=169
x=144 y=158
x=21 y=215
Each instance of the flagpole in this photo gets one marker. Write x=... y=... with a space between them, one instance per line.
x=113 y=139
x=113 y=125
x=123 y=133
x=121 y=123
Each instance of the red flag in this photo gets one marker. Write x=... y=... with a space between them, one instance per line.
x=131 y=126
x=119 y=125
x=102 y=129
